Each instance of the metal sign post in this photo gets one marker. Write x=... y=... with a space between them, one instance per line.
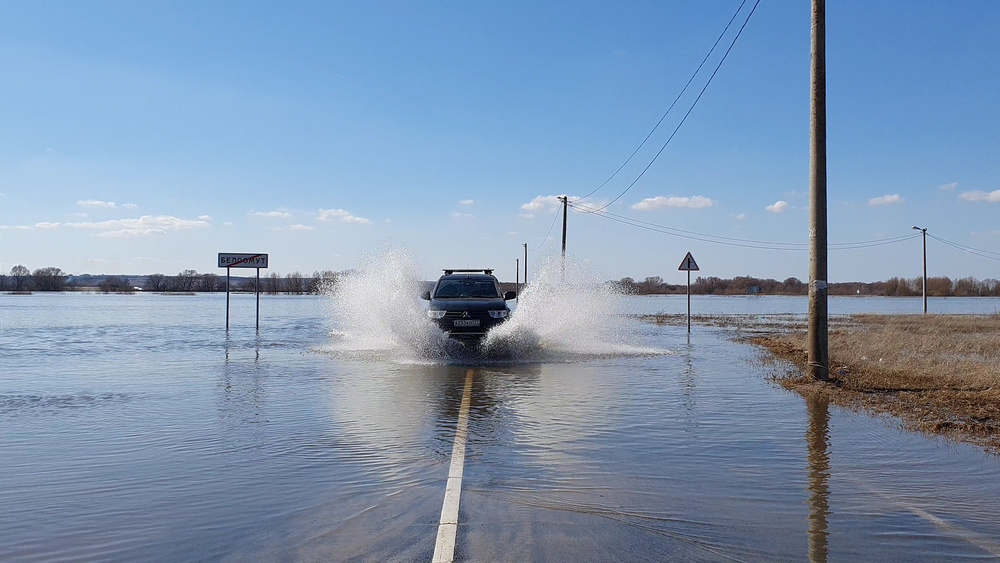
x=243 y=260
x=689 y=265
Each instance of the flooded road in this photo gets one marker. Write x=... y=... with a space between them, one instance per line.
x=135 y=428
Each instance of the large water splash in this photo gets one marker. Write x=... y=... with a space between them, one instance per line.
x=378 y=315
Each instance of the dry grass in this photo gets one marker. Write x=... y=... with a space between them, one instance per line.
x=937 y=373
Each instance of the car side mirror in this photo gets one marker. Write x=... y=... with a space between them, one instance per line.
x=509 y=295
x=426 y=296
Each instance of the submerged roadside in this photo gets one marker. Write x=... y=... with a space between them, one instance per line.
x=938 y=374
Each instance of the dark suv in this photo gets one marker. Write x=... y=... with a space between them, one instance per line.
x=468 y=303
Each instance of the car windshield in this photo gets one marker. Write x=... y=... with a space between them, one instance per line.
x=466 y=288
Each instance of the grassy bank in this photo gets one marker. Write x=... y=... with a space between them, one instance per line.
x=935 y=373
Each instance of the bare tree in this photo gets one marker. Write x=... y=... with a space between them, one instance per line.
x=116 y=284
x=155 y=282
x=184 y=282
x=272 y=284
x=293 y=283
x=20 y=278
x=49 y=279
x=208 y=282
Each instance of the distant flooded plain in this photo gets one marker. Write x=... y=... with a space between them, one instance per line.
x=134 y=427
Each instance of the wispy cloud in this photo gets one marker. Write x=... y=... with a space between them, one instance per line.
x=948 y=187
x=277 y=213
x=204 y=218
x=778 y=206
x=661 y=202
x=142 y=226
x=301 y=228
x=991 y=197
x=98 y=204
x=342 y=214
x=15 y=228
x=466 y=202
x=885 y=199
x=46 y=225
x=741 y=216
x=462 y=216
x=542 y=203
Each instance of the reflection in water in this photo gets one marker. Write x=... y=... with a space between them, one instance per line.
x=818 y=441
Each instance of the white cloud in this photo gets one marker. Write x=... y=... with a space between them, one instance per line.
x=204 y=217
x=512 y=233
x=526 y=215
x=228 y=224
x=660 y=202
x=885 y=199
x=948 y=187
x=462 y=216
x=129 y=233
x=81 y=214
x=778 y=206
x=279 y=213
x=342 y=214
x=991 y=197
x=142 y=226
x=543 y=203
x=15 y=228
x=96 y=203
x=301 y=228
x=129 y=206
x=466 y=202
x=741 y=216
x=3 y=194
x=46 y=225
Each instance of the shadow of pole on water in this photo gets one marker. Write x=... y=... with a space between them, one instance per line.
x=818 y=442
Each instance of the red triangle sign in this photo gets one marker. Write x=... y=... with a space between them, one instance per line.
x=688 y=264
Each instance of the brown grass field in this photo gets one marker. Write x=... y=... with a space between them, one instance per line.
x=936 y=373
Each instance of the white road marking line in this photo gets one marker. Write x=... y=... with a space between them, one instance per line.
x=444 y=547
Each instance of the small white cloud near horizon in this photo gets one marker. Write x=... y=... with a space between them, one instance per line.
x=660 y=202
x=457 y=215
x=740 y=217
x=886 y=199
x=778 y=206
x=278 y=213
x=948 y=187
x=301 y=228
x=98 y=204
x=142 y=226
x=15 y=228
x=342 y=214
x=46 y=225
x=466 y=202
x=977 y=195
x=204 y=218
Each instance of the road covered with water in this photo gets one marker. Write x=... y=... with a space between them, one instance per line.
x=136 y=428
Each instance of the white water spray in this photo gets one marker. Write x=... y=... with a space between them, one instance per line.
x=378 y=315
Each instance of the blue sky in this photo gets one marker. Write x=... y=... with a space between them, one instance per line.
x=147 y=137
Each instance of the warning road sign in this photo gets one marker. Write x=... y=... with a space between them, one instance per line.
x=689 y=264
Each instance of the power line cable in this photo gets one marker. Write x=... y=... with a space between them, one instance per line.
x=745 y=243
x=968 y=249
x=545 y=239
x=742 y=243
x=693 y=104
x=672 y=104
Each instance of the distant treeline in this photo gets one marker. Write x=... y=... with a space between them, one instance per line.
x=21 y=279
x=746 y=285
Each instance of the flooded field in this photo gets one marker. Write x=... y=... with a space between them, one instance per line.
x=135 y=428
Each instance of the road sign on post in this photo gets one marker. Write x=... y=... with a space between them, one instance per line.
x=689 y=265
x=243 y=260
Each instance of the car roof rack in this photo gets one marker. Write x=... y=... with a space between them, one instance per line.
x=450 y=271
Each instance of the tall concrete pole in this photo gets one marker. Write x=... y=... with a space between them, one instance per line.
x=525 y=264
x=565 y=202
x=819 y=356
x=924 y=292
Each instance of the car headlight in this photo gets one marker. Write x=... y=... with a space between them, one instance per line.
x=501 y=314
x=435 y=314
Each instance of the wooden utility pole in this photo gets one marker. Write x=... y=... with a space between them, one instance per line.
x=517 y=279
x=924 y=292
x=525 y=264
x=819 y=356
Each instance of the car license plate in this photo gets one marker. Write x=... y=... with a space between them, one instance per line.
x=466 y=322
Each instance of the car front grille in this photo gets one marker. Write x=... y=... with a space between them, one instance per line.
x=471 y=315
